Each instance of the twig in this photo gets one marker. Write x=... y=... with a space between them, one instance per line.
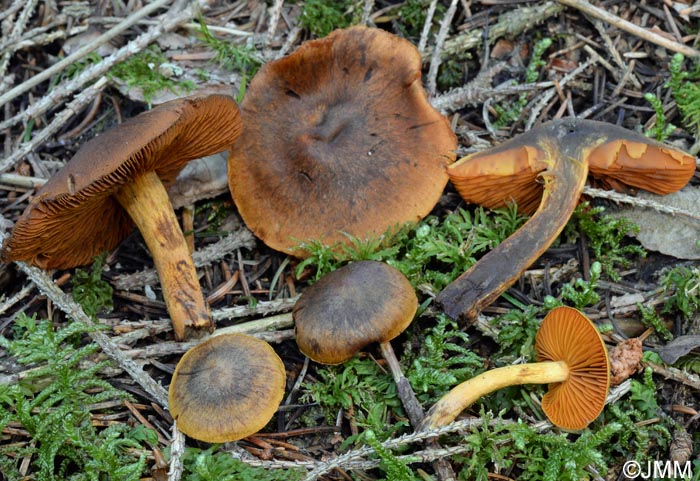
x=629 y=27
x=366 y=11
x=59 y=120
x=241 y=238
x=637 y=202
x=510 y=23
x=169 y=21
x=427 y=26
x=177 y=450
x=436 y=59
x=74 y=311
x=81 y=52
x=275 y=14
x=547 y=96
x=17 y=28
x=8 y=303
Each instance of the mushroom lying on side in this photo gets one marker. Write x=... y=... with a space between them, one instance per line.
x=226 y=388
x=352 y=307
x=559 y=153
x=339 y=137
x=571 y=358
x=120 y=178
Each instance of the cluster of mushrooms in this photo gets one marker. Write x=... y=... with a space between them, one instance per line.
x=339 y=138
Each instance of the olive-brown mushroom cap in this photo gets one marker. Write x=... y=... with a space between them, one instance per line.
x=351 y=307
x=509 y=171
x=568 y=335
x=74 y=216
x=226 y=388
x=339 y=137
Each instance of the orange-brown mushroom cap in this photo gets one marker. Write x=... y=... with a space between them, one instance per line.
x=351 y=307
x=509 y=171
x=226 y=388
x=339 y=137
x=568 y=335
x=74 y=216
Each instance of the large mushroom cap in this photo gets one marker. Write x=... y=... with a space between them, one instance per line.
x=567 y=335
x=339 y=137
x=509 y=171
x=351 y=307
x=74 y=217
x=226 y=388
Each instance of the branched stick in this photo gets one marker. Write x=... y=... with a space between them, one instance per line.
x=17 y=28
x=74 y=311
x=72 y=109
x=169 y=21
x=629 y=27
x=82 y=52
x=177 y=450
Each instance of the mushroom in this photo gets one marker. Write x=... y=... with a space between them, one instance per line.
x=571 y=358
x=119 y=179
x=558 y=154
x=351 y=307
x=339 y=137
x=625 y=158
x=226 y=388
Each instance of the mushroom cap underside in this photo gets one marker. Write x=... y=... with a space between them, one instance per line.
x=509 y=171
x=351 y=307
x=339 y=137
x=226 y=388
x=568 y=335
x=74 y=217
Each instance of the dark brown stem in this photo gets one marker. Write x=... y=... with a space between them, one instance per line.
x=565 y=147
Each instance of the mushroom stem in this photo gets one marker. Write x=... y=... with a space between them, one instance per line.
x=408 y=398
x=465 y=394
x=147 y=202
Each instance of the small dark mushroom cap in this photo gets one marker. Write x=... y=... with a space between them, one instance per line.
x=226 y=388
x=624 y=159
x=74 y=217
x=351 y=307
x=568 y=335
x=339 y=137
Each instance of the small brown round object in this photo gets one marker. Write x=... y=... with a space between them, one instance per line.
x=226 y=388
x=351 y=307
x=339 y=137
x=568 y=335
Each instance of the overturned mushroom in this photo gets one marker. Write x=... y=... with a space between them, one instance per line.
x=624 y=159
x=339 y=137
x=119 y=179
x=571 y=358
x=352 y=307
x=226 y=388
x=558 y=154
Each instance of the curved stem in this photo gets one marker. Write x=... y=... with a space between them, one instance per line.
x=147 y=202
x=465 y=394
x=496 y=271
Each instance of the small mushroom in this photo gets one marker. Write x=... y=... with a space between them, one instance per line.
x=226 y=388
x=119 y=179
x=352 y=307
x=624 y=159
x=339 y=137
x=571 y=358
x=557 y=155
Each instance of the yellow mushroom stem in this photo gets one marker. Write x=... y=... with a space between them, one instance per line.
x=147 y=202
x=465 y=394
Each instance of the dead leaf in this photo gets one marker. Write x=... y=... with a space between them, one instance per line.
x=676 y=236
x=680 y=346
